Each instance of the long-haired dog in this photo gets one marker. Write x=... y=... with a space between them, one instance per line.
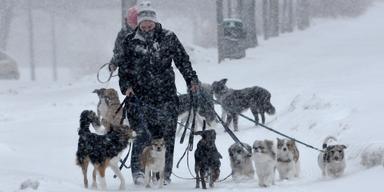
x=235 y=102
x=241 y=161
x=101 y=150
x=332 y=161
x=207 y=159
x=288 y=164
x=108 y=104
x=153 y=161
x=205 y=106
x=264 y=155
x=372 y=155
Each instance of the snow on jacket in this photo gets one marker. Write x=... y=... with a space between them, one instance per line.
x=146 y=66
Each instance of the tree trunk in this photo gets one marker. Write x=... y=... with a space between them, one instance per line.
x=274 y=15
x=220 y=29
x=290 y=24
x=6 y=14
x=266 y=21
x=31 y=41
x=249 y=21
x=303 y=14
x=54 y=45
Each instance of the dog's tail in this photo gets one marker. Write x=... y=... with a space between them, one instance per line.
x=327 y=140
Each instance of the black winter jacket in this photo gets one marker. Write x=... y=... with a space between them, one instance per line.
x=118 y=49
x=147 y=66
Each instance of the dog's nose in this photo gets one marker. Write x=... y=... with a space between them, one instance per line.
x=159 y=148
x=284 y=149
x=336 y=158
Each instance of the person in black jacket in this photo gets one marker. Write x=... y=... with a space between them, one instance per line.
x=129 y=26
x=146 y=74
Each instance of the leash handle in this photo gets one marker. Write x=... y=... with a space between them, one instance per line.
x=194 y=110
x=110 y=74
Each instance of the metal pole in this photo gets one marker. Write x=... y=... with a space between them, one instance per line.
x=54 y=45
x=31 y=42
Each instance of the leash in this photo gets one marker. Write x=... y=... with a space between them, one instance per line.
x=125 y=159
x=262 y=125
x=282 y=134
x=225 y=178
x=110 y=74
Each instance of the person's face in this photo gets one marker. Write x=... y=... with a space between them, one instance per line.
x=147 y=26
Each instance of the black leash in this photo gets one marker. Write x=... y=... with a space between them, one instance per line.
x=262 y=125
x=282 y=134
x=110 y=74
x=189 y=147
x=125 y=159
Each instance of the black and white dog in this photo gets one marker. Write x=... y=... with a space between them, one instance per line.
x=207 y=159
x=205 y=106
x=101 y=150
x=234 y=102
x=332 y=161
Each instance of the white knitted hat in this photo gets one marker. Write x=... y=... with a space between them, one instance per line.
x=146 y=12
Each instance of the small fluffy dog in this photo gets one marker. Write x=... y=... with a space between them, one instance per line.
x=264 y=155
x=372 y=155
x=153 y=161
x=332 y=161
x=108 y=104
x=288 y=164
x=101 y=150
x=205 y=106
x=234 y=102
x=207 y=159
x=241 y=161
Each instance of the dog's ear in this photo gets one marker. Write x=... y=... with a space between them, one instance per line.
x=223 y=81
x=344 y=147
x=269 y=143
x=96 y=91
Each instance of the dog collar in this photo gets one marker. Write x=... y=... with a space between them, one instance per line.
x=283 y=161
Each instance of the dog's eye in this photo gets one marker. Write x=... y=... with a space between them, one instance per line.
x=340 y=151
x=231 y=154
x=238 y=151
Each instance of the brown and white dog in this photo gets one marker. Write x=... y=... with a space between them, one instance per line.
x=101 y=150
x=108 y=104
x=288 y=164
x=153 y=161
x=332 y=161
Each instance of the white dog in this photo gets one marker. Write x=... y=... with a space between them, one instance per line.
x=264 y=155
x=288 y=164
x=332 y=161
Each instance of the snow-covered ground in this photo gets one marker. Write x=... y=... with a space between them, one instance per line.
x=327 y=80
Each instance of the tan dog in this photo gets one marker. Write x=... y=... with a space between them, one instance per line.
x=108 y=104
x=288 y=163
x=153 y=161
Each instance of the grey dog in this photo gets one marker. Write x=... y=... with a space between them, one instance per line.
x=241 y=161
x=235 y=102
x=332 y=161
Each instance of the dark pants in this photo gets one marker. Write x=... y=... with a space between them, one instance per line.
x=151 y=120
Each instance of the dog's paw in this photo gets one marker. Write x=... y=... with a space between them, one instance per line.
x=122 y=188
